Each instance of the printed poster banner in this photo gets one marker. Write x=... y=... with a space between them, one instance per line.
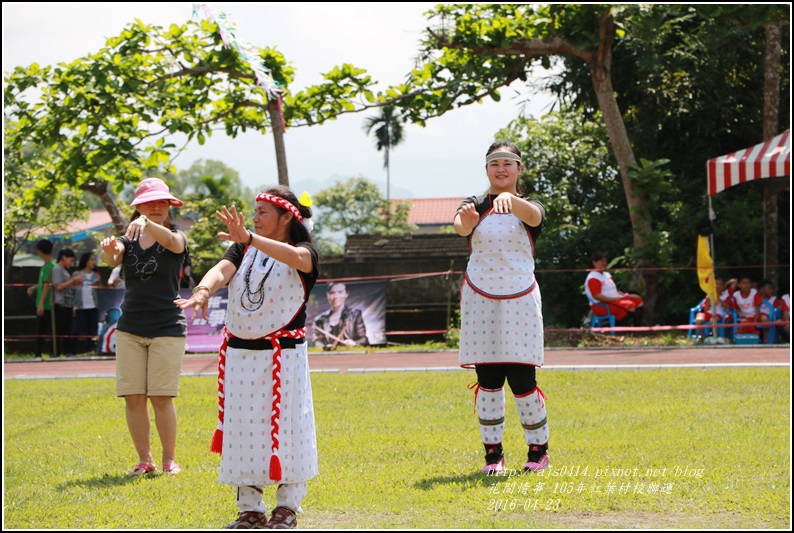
x=206 y=335
x=338 y=315
x=342 y=314
x=203 y=335
x=109 y=306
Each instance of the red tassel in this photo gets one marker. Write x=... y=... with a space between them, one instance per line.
x=217 y=442
x=275 y=468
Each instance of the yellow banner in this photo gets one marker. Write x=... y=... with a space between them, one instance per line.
x=706 y=269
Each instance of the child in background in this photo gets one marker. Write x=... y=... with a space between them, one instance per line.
x=721 y=311
x=769 y=306
x=746 y=302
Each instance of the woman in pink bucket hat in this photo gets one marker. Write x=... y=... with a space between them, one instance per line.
x=150 y=336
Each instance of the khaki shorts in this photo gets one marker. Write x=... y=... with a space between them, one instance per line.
x=149 y=366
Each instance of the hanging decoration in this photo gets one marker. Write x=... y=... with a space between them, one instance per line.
x=227 y=28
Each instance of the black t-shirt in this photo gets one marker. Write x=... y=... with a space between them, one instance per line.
x=484 y=202
x=152 y=284
x=235 y=255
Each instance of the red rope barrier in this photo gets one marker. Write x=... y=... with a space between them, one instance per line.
x=617 y=329
x=429 y=332
x=460 y=272
x=722 y=325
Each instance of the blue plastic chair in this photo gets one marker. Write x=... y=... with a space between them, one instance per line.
x=601 y=321
x=774 y=314
x=692 y=314
x=742 y=338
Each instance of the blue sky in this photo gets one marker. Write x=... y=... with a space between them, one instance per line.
x=444 y=159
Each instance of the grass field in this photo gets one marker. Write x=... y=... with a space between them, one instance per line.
x=677 y=448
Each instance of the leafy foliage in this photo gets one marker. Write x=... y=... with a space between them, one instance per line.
x=355 y=206
x=687 y=84
x=205 y=187
x=112 y=116
x=569 y=168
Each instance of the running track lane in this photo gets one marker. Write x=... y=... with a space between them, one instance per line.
x=596 y=358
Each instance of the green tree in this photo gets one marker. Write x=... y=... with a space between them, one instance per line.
x=204 y=187
x=109 y=117
x=37 y=217
x=355 y=207
x=199 y=180
x=570 y=169
x=30 y=213
x=388 y=134
x=473 y=50
x=691 y=91
x=692 y=85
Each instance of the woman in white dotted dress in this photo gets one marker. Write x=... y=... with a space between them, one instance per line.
x=501 y=330
x=266 y=431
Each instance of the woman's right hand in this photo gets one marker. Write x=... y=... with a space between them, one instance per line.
x=469 y=216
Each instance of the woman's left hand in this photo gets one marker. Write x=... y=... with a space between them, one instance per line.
x=198 y=301
x=503 y=203
x=234 y=221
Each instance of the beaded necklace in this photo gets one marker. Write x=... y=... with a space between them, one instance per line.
x=256 y=297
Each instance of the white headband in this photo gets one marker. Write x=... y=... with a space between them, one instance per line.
x=502 y=155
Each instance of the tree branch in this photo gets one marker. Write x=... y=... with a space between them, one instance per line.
x=528 y=48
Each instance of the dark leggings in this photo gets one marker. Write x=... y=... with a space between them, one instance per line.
x=521 y=378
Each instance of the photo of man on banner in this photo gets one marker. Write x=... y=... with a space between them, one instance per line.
x=347 y=314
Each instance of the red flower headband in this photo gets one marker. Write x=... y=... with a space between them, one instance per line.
x=280 y=202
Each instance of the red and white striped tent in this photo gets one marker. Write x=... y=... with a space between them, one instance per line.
x=770 y=159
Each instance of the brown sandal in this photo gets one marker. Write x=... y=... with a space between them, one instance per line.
x=248 y=520
x=282 y=518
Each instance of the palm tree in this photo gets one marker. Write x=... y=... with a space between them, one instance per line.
x=388 y=134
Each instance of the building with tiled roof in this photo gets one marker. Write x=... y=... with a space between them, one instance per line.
x=431 y=214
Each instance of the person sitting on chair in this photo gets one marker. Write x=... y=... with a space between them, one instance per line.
x=722 y=308
x=600 y=288
x=747 y=303
x=770 y=307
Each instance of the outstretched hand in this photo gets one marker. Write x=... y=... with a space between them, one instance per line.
x=234 y=221
x=198 y=301
x=503 y=203
x=108 y=245
x=469 y=216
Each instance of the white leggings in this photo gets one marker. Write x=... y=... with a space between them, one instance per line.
x=289 y=495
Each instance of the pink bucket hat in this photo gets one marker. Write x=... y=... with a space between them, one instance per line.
x=152 y=189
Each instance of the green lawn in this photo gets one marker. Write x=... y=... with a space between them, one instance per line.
x=630 y=449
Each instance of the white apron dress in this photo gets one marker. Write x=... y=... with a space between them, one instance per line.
x=501 y=319
x=264 y=303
